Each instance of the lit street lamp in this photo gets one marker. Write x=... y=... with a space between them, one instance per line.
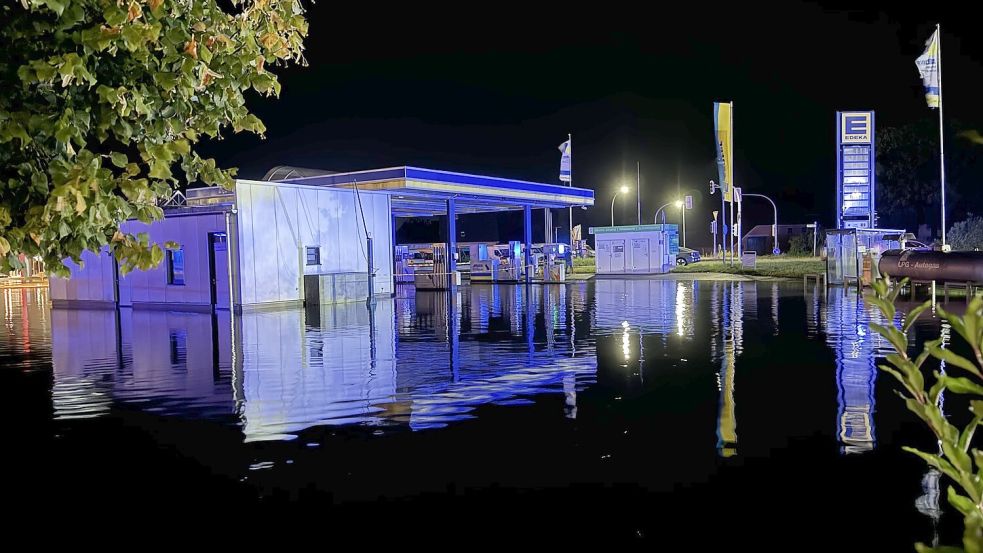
x=622 y=190
x=682 y=211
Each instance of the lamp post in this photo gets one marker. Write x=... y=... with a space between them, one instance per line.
x=622 y=190
x=682 y=211
x=658 y=211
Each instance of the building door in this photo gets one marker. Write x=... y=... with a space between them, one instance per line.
x=603 y=256
x=640 y=255
x=617 y=256
x=218 y=270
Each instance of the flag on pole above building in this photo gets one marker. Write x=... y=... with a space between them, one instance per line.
x=723 y=121
x=929 y=67
x=565 y=158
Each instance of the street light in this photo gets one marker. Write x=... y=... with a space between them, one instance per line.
x=622 y=190
x=682 y=211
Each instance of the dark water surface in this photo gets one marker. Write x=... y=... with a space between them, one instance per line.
x=698 y=415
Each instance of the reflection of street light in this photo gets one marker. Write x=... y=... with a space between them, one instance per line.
x=622 y=190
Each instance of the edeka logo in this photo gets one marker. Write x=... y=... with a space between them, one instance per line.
x=855 y=127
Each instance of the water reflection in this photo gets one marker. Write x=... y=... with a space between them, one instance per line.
x=728 y=308
x=164 y=362
x=845 y=318
x=608 y=382
x=428 y=359
x=423 y=360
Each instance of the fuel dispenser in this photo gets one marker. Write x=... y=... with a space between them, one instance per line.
x=554 y=266
x=435 y=277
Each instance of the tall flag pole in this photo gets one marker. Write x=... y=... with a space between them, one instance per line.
x=930 y=68
x=566 y=175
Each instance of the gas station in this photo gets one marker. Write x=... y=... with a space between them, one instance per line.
x=416 y=192
x=302 y=236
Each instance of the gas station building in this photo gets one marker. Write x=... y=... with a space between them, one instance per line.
x=299 y=236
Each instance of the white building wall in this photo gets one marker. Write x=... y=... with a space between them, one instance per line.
x=277 y=222
x=191 y=234
x=94 y=281
x=91 y=283
x=657 y=253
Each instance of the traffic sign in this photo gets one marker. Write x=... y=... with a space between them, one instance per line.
x=715 y=213
x=776 y=251
x=689 y=202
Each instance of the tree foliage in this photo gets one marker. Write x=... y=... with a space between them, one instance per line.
x=967 y=235
x=908 y=171
x=104 y=102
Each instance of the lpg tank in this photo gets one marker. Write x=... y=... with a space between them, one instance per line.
x=932 y=265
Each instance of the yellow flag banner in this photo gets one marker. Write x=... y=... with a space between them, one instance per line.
x=723 y=122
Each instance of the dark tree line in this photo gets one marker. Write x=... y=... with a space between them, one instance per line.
x=908 y=174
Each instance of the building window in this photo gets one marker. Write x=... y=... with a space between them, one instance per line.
x=175 y=267
x=313 y=255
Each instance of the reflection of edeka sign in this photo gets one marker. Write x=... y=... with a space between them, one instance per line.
x=855 y=178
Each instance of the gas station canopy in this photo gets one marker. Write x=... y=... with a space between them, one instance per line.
x=417 y=192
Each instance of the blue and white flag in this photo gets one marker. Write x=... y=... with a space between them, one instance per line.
x=929 y=67
x=565 y=156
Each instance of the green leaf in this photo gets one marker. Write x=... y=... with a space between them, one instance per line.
x=967 y=434
x=962 y=503
x=959 y=458
x=937 y=462
x=922 y=548
x=954 y=359
x=893 y=335
x=886 y=308
x=160 y=170
x=57 y=6
x=963 y=385
x=914 y=314
x=119 y=159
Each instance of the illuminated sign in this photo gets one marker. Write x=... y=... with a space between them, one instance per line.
x=855 y=177
x=856 y=127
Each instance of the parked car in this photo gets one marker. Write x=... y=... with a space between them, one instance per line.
x=685 y=256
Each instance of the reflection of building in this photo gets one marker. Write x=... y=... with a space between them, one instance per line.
x=658 y=306
x=172 y=363
x=277 y=373
x=854 y=346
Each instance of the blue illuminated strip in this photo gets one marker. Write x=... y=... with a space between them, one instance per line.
x=414 y=173
x=445 y=177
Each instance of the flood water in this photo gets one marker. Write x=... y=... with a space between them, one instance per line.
x=692 y=414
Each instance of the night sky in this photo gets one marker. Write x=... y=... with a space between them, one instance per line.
x=494 y=89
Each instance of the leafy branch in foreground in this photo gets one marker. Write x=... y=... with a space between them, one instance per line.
x=957 y=459
x=104 y=102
